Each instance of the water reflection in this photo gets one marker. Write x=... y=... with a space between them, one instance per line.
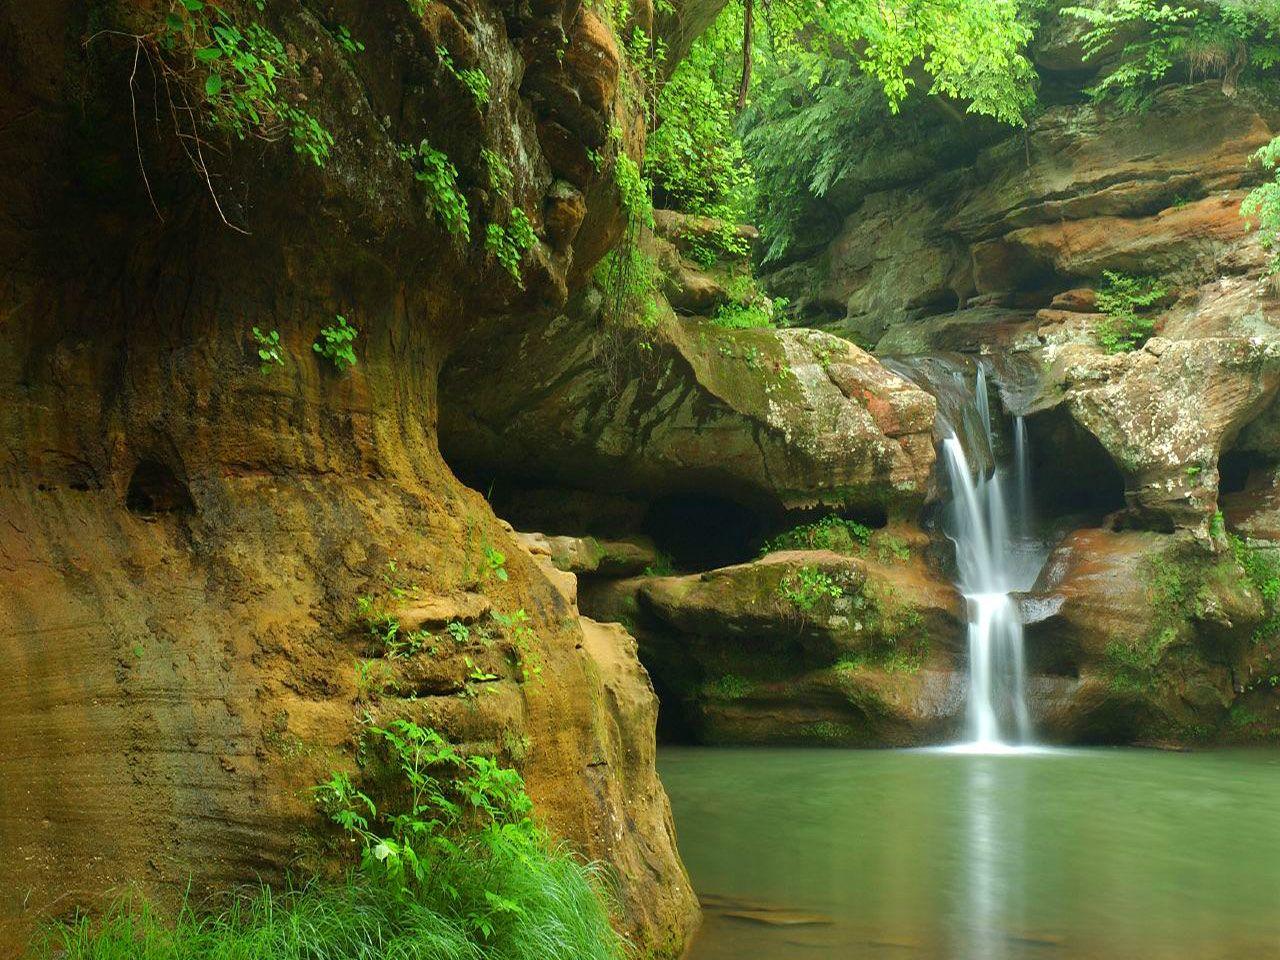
x=934 y=855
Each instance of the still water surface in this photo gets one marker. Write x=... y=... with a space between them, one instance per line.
x=920 y=855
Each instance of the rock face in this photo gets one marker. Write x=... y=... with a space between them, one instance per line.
x=186 y=537
x=1013 y=240
x=777 y=419
x=1159 y=634
x=1165 y=413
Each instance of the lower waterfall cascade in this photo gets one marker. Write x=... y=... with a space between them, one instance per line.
x=989 y=518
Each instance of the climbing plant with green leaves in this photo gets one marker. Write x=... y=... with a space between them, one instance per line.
x=245 y=74
x=438 y=178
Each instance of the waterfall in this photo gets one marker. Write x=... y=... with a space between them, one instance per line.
x=990 y=529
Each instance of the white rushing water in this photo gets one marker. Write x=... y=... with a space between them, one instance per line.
x=990 y=527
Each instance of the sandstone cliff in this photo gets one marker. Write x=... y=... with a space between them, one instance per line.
x=186 y=537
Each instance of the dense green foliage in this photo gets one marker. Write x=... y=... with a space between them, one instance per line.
x=452 y=868
x=822 y=73
x=1150 y=42
x=1125 y=300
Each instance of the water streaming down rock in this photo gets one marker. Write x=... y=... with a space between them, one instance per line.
x=989 y=526
x=989 y=518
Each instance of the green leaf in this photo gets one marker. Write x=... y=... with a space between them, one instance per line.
x=193 y=5
x=208 y=53
x=213 y=85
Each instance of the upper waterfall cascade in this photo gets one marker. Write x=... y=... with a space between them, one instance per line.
x=989 y=520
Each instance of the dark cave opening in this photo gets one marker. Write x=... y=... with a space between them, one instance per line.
x=155 y=489
x=1072 y=473
x=1241 y=470
x=701 y=531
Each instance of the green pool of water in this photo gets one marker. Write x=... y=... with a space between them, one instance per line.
x=917 y=855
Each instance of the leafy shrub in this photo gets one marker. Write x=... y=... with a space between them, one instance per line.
x=439 y=179
x=694 y=158
x=1121 y=298
x=744 y=316
x=1161 y=42
x=830 y=533
x=336 y=344
x=269 y=350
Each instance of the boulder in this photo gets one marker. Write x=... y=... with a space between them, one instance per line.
x=588 y=555
x=1160 y=630
x=802 y=646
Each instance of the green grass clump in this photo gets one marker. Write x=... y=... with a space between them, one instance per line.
x=730 y=687
x=554 y=913
x=452 y=868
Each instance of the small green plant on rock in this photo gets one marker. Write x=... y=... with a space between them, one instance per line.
x=522 y=637
x=501 y=178
x=495 y=563
x=830 y=533
x=890 y=548
x=474 y=79
x=509 y=244
x=348 y=42
x=1122 y=298
x=373 y=678
x=336 y=344
x=269 y=350
x=663 y=566
x=809 y=587
x=439 y=179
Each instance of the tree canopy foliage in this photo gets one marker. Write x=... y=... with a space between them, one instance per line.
x=776 y=105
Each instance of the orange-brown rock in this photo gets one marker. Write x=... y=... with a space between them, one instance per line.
x=185 y=537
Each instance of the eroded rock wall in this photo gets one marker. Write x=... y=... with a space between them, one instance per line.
x=185 y=538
